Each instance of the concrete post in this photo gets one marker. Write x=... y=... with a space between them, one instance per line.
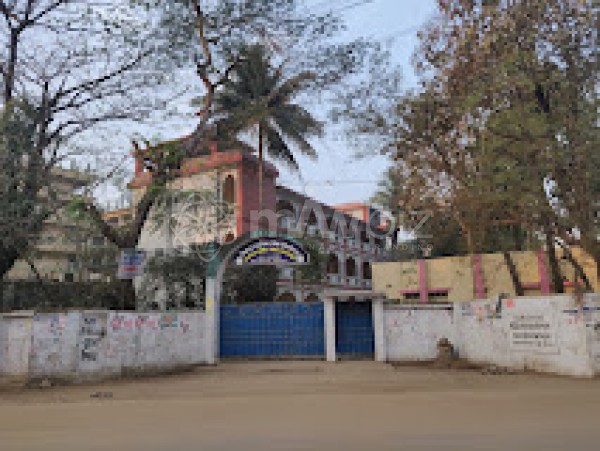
x=378 y=328
x=330 y=329
x=213 y=294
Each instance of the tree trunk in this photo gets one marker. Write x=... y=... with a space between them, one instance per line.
x=260 y=168
x=557 y=279
x=518 y=237
x=578 y=269
x=514 y=274
x=128 y=294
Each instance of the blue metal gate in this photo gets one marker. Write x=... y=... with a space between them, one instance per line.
x=354 y=330
x=272 y=330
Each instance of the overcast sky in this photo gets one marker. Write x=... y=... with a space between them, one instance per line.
x=336 y=177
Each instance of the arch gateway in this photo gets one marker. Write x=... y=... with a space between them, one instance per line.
x=286 y=329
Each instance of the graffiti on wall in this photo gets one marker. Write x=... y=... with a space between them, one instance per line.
x=130 y=323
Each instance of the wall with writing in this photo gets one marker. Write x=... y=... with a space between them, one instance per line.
x=102 y=343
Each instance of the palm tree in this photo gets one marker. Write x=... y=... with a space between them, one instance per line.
x=259 y=96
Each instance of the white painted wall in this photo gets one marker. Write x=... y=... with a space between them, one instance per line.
x=15 y=342
x=555 y=334
x=412 y=331
x=93 y=344
x=593 y=330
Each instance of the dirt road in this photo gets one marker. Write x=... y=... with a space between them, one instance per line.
x=309 y=405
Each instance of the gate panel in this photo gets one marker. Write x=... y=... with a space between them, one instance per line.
x=272 y=330
x=354 y=329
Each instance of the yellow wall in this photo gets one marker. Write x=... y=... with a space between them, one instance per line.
x=457 y=275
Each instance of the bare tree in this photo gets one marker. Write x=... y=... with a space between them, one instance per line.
x=75 y=65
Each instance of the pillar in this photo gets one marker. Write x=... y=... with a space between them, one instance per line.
x=378 y=329
x=330 y=329
x=212 y=318
x=423 y=289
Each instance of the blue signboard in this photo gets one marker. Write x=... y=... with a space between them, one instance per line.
x=131 y=263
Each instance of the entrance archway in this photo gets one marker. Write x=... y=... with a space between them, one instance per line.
x=261 y=329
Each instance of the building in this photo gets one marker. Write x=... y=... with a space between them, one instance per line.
x=229 y=178
x=482 y=276
x=65 y=243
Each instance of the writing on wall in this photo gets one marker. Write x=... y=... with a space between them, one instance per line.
x=91 y=334
x=533 y=333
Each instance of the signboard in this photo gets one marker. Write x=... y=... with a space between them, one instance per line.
x=533 y=333
x=131 y=263
x=270 y=251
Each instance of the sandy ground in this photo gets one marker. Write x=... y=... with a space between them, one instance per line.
x=309 y=405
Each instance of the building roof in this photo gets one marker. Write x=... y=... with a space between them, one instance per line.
x=350 y=206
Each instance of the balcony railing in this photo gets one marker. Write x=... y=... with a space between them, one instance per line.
x=334 y=279
x=353 y=281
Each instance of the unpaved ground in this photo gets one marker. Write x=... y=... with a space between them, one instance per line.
x=309 y=405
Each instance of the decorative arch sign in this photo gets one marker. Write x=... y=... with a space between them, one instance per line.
x=270 y=251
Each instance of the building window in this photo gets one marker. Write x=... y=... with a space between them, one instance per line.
x=312 y=219
x=367 y=270
x=439 y=297
x=412 y=296
x=350 y=267
x=333 y=265
x=229 y=190
x=69 y=277
x=98 y=241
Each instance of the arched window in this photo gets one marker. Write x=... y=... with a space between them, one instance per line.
x=350 y=267
x=367 y=270
x=285 y=208
x=229 y=189
x=333 y=265
x=312 y=218
x=286 y=216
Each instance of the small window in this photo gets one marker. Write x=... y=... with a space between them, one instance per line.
x=333 y=264
x=69 y=277
x=98 y=241
x=350 y=267
x=367 y=270
x=438 y=297
x=412 y=296
x=229 y=190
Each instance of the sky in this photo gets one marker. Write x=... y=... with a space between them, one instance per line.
x=336 y=176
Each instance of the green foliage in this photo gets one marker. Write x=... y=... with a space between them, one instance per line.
x=316 y=268
x=503 y=134
x=21 y=178
x=250 y=284
x=259 y=96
